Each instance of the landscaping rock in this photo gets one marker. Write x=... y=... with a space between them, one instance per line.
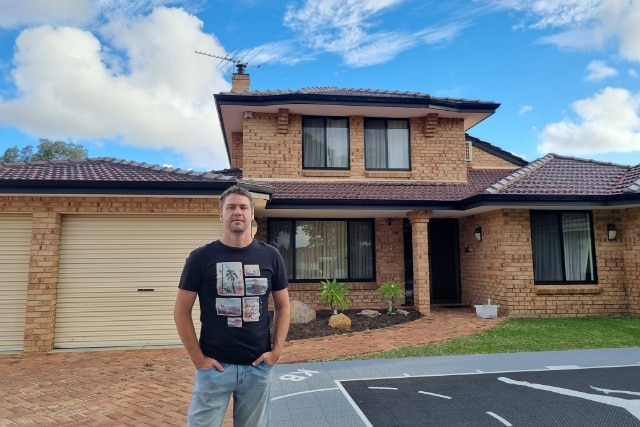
x=301 y=312
x=403 y=312
x=339 y=321
x=372 y=314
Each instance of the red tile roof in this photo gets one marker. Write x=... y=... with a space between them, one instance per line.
x=479 y=180
x=101 y=169
x=560 y=175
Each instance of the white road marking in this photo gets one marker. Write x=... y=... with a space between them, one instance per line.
x=499 y=418
x=563 y=367
x=304 y=392
x=435 y=394
x=632 y=406
x=382 y=388
x=354 y=405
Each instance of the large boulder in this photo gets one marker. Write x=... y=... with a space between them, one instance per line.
x=301 y=312
x=340 y=321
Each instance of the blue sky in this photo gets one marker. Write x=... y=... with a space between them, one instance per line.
x=121 y=77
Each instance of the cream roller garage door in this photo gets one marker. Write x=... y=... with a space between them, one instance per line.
x=15 y=243
x=118 y=277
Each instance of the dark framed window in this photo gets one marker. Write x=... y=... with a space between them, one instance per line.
x=563 y=247
x=325 y=143
x=386 y=143
x=315 y=250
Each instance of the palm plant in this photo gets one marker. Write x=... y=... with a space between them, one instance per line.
x=335 y=294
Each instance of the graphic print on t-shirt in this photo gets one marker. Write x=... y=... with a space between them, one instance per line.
x=235 y=280
x=256 y=285
x=251 y=309
x=252 y=270
x=229 y=278
x=228 y=306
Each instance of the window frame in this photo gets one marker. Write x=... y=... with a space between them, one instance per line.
x=558 y=214
x=348 y=143
x=386 y=143
x=294 y=223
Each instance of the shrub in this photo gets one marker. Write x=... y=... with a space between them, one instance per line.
x=391 y=291
x=335 y=294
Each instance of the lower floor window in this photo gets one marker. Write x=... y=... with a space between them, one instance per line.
x=324 y=249
x=563 y=248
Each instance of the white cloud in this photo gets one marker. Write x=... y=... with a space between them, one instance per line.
x=585 y=24
x=599 y=70
x=142 y=85
x=20 y=13
x=525 y=109
x=632 y=73
x=347 y=28
x=608 y=122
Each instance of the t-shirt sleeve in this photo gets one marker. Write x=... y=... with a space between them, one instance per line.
x=191 y=276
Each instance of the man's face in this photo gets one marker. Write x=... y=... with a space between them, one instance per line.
x=236 y=214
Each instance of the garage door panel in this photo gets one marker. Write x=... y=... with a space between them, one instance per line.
x=15 y=244
x=104 y=261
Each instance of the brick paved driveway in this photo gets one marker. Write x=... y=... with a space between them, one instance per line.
x=128 y=388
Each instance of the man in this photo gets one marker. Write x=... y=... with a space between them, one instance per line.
x=232 y=278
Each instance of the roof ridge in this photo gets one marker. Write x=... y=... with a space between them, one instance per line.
x=519 y=174
x=634 y=187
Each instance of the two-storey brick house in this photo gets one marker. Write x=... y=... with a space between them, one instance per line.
x=361 y=186
x=372 y=186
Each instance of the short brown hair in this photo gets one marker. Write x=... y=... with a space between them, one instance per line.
x=236 y=190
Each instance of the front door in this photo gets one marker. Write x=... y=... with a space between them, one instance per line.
x=444 y=261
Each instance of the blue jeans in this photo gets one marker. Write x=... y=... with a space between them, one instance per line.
x=212 y=389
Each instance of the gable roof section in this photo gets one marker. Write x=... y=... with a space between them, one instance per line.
x=496 y=151
x=108 y=176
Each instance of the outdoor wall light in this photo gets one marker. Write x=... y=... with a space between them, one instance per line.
x=389 y=221
x=611 y=231
x=478 y=234
x=254 y=227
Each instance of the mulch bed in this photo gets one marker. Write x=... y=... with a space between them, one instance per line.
x=320 y=326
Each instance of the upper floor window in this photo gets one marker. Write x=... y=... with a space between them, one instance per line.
x=315 y=250
x=563 y=250
x=325 y=143
x=386 y=144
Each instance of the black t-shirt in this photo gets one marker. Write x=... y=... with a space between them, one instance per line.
x=233 y=286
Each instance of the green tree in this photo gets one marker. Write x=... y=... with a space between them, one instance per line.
x=46 y=150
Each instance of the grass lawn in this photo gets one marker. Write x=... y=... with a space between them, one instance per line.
x=517 y=335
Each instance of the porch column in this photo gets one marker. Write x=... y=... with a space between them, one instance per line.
x=43 y=282
x=420 y=242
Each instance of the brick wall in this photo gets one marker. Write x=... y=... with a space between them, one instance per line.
x=501 y=268
x=270 y=150
x=45 y=246
x=629 y=236
x=480 y=159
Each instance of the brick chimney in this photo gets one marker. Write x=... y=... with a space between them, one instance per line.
x=240 y=81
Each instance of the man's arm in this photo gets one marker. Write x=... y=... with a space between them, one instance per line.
x=281 y=317
x=187 y=332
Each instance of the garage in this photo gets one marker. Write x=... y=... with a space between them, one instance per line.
x=118 y=277
x=15 y=244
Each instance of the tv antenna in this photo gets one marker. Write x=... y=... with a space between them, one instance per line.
x=241 y=63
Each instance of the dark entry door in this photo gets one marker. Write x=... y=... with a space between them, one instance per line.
x=444 y=261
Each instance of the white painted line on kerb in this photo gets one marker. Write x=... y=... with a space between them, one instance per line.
x=499 y=418
x=562 y=367
x=435 y=394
